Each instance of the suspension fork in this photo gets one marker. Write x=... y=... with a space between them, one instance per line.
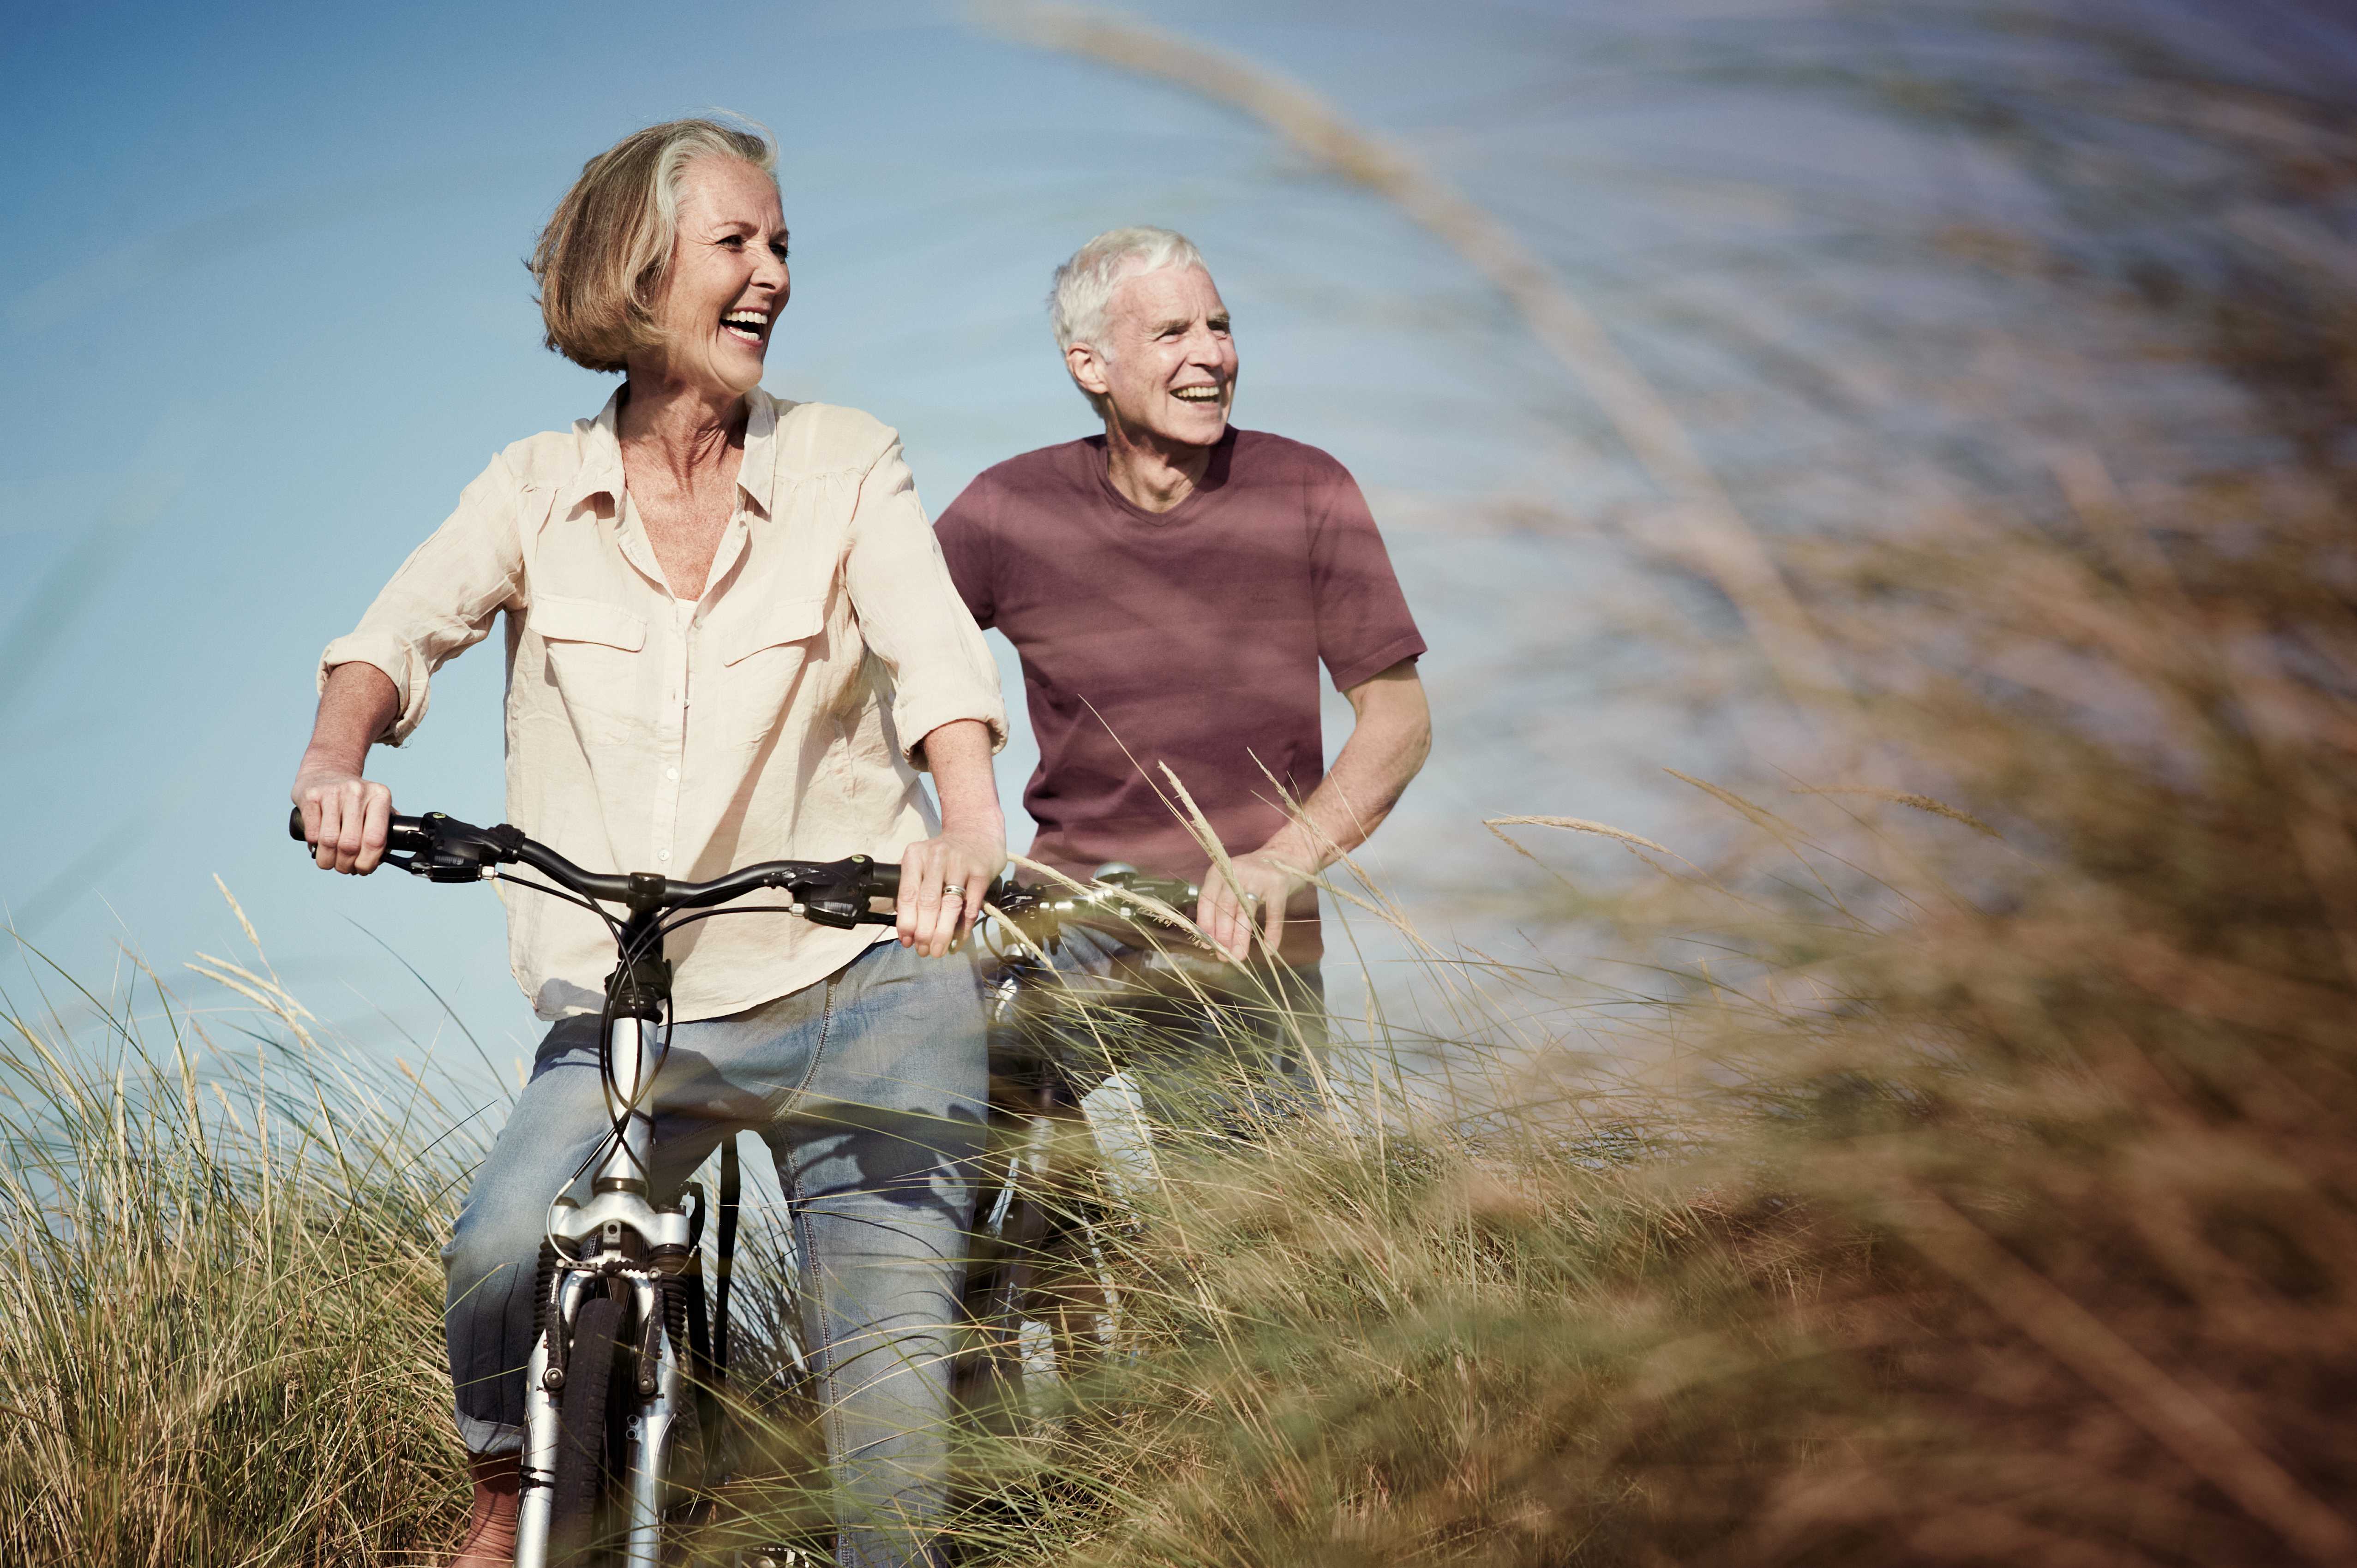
x=661 y=1396
x=536 y=1496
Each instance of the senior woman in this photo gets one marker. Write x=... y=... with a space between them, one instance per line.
x=730 y=638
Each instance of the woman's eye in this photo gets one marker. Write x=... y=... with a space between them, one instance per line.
x=734 y=241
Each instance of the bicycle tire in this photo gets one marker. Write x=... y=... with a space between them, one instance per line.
x=591 y=1411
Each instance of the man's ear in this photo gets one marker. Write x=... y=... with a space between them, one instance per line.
x=1087 y=369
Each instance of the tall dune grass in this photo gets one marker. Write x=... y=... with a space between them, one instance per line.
x=219 y=1307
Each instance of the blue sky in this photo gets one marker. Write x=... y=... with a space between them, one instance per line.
x=262 y=314
x=261 y=294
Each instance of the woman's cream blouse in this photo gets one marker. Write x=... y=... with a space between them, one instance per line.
x=772 y=719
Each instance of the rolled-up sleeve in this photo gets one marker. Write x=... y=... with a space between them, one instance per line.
x=910 y=615
x=443 y=599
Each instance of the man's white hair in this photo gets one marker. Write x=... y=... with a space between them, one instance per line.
x=1085 y=286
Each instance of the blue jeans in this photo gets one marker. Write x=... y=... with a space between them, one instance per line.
x=869 y=1090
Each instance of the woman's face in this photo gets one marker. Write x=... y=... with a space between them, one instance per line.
x=727 y=279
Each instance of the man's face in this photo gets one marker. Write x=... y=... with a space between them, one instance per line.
x=1169 y=369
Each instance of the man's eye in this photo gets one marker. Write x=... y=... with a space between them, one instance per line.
x=779 y=252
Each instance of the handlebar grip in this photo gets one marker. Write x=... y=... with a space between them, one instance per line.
x=408 y=834
x=884 y=882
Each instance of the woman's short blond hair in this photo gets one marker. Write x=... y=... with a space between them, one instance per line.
x=601 y=261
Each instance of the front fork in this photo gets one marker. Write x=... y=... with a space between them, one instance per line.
x=617 y=1233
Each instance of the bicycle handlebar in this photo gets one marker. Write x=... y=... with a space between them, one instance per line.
x=1118 y=896
x=829 y=893
x=443 y=849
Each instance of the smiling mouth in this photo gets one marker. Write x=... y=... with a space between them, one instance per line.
x=746 y=327
x=1211 y=394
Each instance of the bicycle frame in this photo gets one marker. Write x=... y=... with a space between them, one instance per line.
x=620 y=1234
x=621 y=1237
x=1111 y=1111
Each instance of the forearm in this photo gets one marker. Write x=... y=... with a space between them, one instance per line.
x=344 y=814
x=358 y=704
x=1388 y=745
x=958 y=753
x=944 y=878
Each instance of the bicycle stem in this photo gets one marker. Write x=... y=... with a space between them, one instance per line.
x=636 y=996
x=635 y=1046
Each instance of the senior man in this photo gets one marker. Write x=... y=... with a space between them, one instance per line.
x=1172 y=585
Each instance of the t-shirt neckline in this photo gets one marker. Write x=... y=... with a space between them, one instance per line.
x=1215 y=480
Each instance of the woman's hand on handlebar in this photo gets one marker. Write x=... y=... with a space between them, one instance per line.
x=345 y=818
x=969 y=851
x=933 y=921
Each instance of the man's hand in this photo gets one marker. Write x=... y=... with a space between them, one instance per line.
x=942 y=880
x=345 y=817
x=1387 y=745
x=1257 y=892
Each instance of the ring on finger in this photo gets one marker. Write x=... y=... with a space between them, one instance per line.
x=952 y=890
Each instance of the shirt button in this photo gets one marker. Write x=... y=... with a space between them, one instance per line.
x=663 y=854
x=671 y=772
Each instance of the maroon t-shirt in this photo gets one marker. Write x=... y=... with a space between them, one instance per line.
x=1190 y=637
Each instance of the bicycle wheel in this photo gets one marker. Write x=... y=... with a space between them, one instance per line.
x=591 y=1415
x=1038 y=1317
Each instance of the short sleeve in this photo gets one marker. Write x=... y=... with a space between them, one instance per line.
x=1364 y=624
x=963 y=533
x=910 y=614
x=443 y=599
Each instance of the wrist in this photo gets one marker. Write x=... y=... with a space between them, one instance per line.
x=975 y=824
x=317 y=759
x=1288 y=852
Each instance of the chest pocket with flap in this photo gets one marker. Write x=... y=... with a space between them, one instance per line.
x=595 y=654
x=587 y=621
x=763 y=648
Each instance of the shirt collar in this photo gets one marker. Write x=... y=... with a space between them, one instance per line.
x=601 y=454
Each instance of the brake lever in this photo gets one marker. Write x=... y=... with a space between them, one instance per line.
x=840 y=902
x=451 y=851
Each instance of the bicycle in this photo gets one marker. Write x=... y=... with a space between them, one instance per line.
x=1040 y=1298
x=625 y=1370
